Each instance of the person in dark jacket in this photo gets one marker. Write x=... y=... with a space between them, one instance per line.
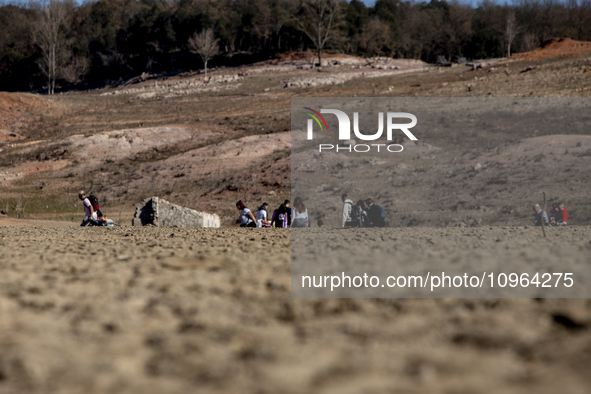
x=374 y=214
x=360 y=214
x=287 y=205
x=281 y=217
x=553 y=213
x=540 y=216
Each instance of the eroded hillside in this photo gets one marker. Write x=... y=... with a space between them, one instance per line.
x=206 y=144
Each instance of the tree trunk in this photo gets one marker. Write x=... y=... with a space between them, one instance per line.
x=206 y=69
x=52 y=71
x=319 y=57
x=509 y=50
x=19 y=206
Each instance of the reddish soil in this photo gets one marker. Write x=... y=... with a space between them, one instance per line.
x=16 y=111
x=556 y=48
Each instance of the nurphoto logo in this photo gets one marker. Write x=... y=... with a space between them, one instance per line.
x=345 y=130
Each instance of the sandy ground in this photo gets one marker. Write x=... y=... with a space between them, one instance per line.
x=518 y=252
x=9 y=222
x=154 y=310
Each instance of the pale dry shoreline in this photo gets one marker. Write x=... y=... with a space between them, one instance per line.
x=154 y=310
x=11 y=222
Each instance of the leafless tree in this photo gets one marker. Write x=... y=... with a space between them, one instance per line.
x=49 y=36
x=375 y=37
x=75 y=69
x=529 y=42
x=21 y=205
x=511 y=30
x=205 y=44
x=317 y=19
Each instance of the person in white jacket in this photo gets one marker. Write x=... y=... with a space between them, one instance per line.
x=347 y=211
x=89 y=212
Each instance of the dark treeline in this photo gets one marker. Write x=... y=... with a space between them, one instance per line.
x=108 y=41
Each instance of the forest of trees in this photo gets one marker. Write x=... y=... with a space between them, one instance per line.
x=59 y=44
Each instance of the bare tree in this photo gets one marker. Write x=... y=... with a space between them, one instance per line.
x=511 y=30
x=529 y=42
x=375 y=37
x=317 y=18
x=49 y=36
x=205 y=44
x=75 y=69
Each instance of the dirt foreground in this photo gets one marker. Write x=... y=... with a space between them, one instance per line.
x=161 y=310
x=9 y=222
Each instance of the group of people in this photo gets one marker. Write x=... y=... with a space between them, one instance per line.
x=285 y=216
x=365 y=213
x=362 y=214
x=558 y=215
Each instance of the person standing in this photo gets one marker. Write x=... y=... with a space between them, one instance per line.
x=347 y=211
x=374 y=214
x=299 y=214
x=89 y=212
x=246 y=217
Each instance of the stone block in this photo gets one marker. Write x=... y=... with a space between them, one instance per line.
x=161 y=213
